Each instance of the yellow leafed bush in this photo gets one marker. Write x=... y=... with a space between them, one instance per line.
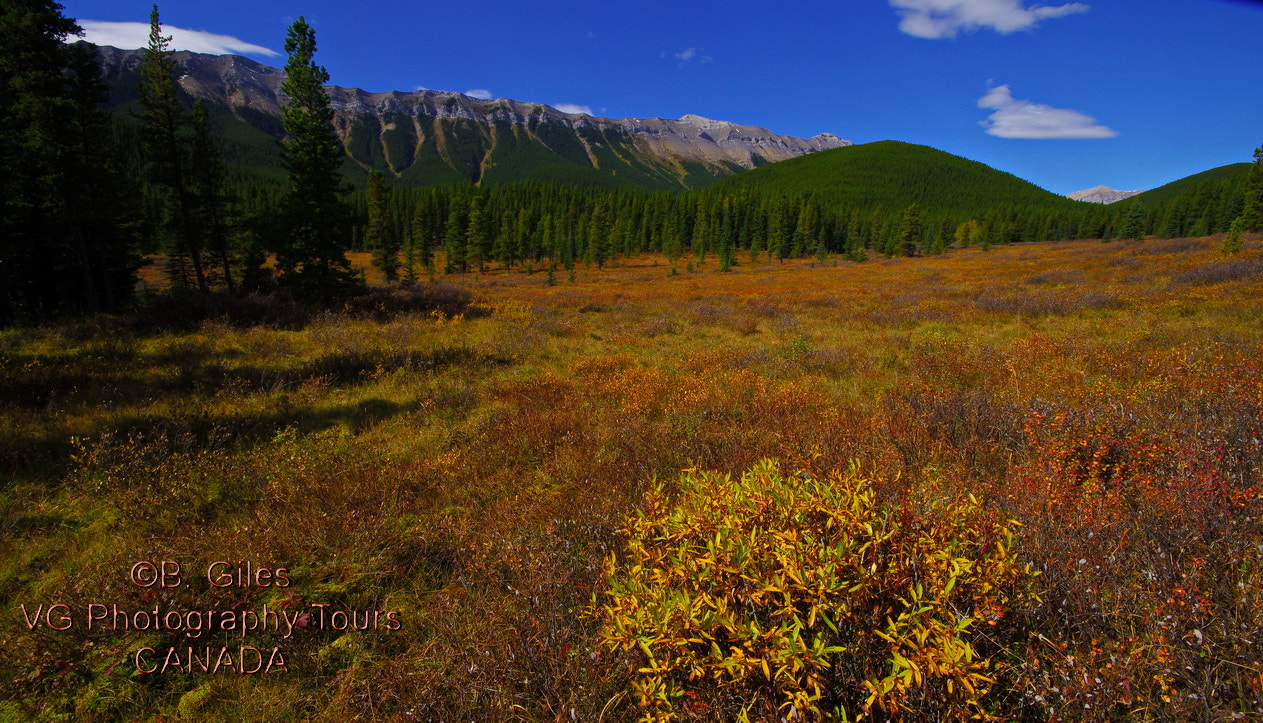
x=789 y=596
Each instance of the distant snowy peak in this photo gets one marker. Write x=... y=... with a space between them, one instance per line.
x=1102 y=194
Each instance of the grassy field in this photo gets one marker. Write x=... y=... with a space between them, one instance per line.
x=467 y=456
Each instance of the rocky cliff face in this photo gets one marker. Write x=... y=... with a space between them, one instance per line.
x=430 y=136
x=1102 y=194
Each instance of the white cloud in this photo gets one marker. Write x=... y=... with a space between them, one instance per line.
x=1023 y=119
x=479 y=93
x=935 y=19
x=136 y=35
x=689 y=55
x=572 y=108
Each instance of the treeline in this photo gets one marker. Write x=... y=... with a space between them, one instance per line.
x=884 y=198
x=1199 y=207
x=536 y=225
x=68 y=229
x=85 y=195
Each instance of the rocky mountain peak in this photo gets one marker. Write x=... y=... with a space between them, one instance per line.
x=1102 y=194
x=393 y=128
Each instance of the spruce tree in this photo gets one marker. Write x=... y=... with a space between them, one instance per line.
x=523 y=238
x=1133 y=223
x=910 y=232
x=380 y=235
x=778 y=240
x=65 y=240
x=209 y=197
x=423 y=234
x=601 y=248
x=1252 y=213
x=477 y=245
x=310 y=254
x=454 y=245
x=99 y=211
x=1232 y=239
x=166 y=134
x=674 y=246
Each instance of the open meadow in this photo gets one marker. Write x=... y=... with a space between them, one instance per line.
x=1047 y=460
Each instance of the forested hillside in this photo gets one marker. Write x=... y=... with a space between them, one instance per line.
x=1197 y=205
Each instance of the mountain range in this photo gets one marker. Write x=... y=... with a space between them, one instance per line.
x=426 y=136
x=1102 y=194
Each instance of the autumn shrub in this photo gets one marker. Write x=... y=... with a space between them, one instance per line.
x=1166 y=246
x=1218 y=272
x=185 y=311
x=659 y=326
x=444 y=296
x=1057 y=276
x=1142 y=508
x=780 y=596
x=1124 y=262
x=706 y=314
x=1047 y=303
x=746 y=326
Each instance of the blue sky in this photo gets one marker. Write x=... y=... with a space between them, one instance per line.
x=1068 y=95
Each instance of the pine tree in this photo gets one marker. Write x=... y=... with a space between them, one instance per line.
x=209 y=199
x=502 y=246
x=454 y=238
x=422 y=241
x=757 y=238
x=310 y=255
x=910 y=232
x=380 y=235
x=601 y=246
x=1133 y=223
x=100 y=218
x=777 y=239
x=701 y=230
x=1252 y=213
x=807 y=229
x=65 y=235
x=166 y=134
x=674 y=246
x=477 y=235
x=1232 y=239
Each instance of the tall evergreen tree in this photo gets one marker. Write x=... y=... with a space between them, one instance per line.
x=166 y=134
x=910 y=232
x=1252 y=213
x=454 y=243
x=99 y=210
x=64 y=241
x=380 y=235
x=209 y=198
x=602 y=242
x=310 y=254
x=673 y=245
x=1132 y=225
x=477 y=235
x=727 y=238
x=778 y=237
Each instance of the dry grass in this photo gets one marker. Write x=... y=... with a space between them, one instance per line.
x=466 y=453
